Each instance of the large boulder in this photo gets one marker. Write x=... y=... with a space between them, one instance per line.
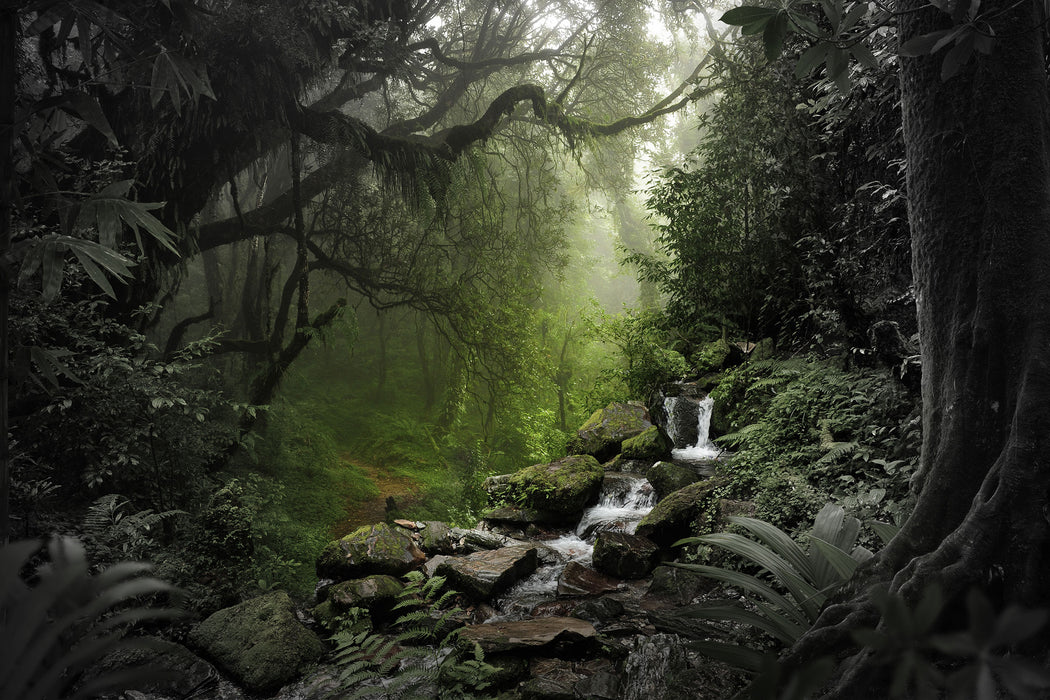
x=372 y=549
x=624 y=556
x=673 y=517
x=672 y=586
x=259 y=642
x=484 y=575
x=668 y=477
x=604 y=432
x=648 y=446
x=549 y=634
x=563 y=487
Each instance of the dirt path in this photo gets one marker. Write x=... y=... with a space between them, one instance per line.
x=401 y=488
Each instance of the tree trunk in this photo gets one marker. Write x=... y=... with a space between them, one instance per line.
x=8 y=41
x=979 y=196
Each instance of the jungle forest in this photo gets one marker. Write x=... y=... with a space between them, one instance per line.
x=524 y=349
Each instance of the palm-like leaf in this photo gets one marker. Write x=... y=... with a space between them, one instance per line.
x=69 y=620
x=807 y=576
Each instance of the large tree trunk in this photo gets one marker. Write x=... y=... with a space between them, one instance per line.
x=979 y=194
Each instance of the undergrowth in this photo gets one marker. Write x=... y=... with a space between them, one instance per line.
x=805 y=432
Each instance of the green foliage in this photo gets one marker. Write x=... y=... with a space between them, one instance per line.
x=94 y=407
x=115 y=531
x=912 y=642
x=641 y=341
x=372 y=665
x=67 y=620
x=804 y=432
x=807 y=578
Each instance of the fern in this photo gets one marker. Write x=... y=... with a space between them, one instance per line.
x=117 y=533
x=391 y=667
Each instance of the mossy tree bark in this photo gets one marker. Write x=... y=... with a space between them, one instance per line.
x=978 y=148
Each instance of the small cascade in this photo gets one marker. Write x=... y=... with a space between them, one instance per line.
x=624 y=501
x=618 y=509
x=703 y=448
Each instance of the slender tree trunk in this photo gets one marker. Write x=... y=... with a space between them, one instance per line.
x=979 y=192
x=8 y=41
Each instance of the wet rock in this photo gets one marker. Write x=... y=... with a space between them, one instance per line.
x=376 y=593
x=667 y=477
x=511 y=515
x=602 y=685
x=483 y=575
x=673 y=517
x=624 y=556
x=432 y=564
x=651 y=667
x=600 y=610
x=549 y=634
x=553 y=608
x=622 y=464
x=604 y=432
x=577 y=579
x=435 y=537
x=552 y=679
x=650 y=445
x=672 y=587
x=259 y=642
x=375 y=549
x=479 y=540
x=189 y=673
x=563 y=487
x=686 y=622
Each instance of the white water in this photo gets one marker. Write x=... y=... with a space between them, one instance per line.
x=618 y=509
x=621 y=511
x=704 y=448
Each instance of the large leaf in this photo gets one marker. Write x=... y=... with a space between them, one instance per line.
x=110 y=209
x=778 y=541
x=753 y=585
x=838 y=561
x=767 y=620
x=732 y=654
x=808 y=597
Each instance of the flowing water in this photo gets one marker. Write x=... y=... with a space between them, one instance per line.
x=703 y=448
x=624 y=501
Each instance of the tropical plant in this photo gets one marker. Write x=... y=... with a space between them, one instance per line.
x=373 y=665
x=118 y=531
x=802 y=579
x=65 y=620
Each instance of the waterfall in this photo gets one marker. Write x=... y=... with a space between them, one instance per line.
x=624 y=501
x=703 y=448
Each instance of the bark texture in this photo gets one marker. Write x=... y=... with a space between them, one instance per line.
x=979 y=196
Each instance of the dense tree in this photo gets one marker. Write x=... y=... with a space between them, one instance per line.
x=976 y=122
x=274 y=134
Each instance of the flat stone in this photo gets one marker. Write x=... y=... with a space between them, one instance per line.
x=577 y=579
x=529 y=635
x=483 y=575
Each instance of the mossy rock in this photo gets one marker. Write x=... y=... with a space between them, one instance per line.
x=604 y=432
x=259 y=642
x=564 y=487
x=717 y=355
x=436 y=537
x=372 y=549
x=651 y=445
x=331 y=620
x=764 y=350
x=667 y=477
x=672 y=518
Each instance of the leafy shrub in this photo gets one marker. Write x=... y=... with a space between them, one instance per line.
x=642 y=341
x=805 y=432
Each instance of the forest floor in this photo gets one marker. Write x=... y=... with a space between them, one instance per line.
x=402 y=489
